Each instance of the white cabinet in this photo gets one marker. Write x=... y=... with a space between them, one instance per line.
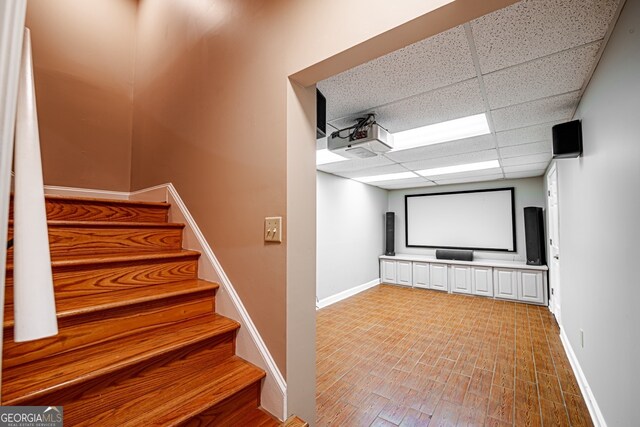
x=505 y=283
x=438 y=277
x=531 y=286
x=482 y=281
x=388 y=271
x=403 y=273
x=461 y=279
x=421 y=274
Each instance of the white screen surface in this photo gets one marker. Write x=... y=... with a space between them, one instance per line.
x=473 y=220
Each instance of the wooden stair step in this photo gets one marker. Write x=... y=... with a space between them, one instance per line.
x=99 y=237
x=258 y=418
x=91 y=209
x=51 y=376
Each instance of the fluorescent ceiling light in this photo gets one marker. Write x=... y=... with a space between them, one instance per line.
x=325 y=156
x=460 y=168
x=387 y=177
x=451 y=130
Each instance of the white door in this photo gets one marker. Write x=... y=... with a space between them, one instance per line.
x=438 y=277
x=482 y=281
x=505 y=283
x=530 y=287
x=388 y=268
x=421 y=274
x=461 y=279
x=403 y=273
x=554 y=243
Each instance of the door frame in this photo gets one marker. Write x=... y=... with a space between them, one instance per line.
x=555 y=290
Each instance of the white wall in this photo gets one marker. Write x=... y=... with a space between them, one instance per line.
x=350 y=233
x=599 y=205
x=528 y=192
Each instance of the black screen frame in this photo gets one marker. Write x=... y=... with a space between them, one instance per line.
x=513 y=219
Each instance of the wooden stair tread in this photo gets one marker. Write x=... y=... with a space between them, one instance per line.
x=170 y=403
x=109 y=224
x=68 y=307
x=114 y=258
x=258 y=418
x=35 y=379
x=73 y=199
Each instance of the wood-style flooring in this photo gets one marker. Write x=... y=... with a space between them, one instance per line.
x=394 y=356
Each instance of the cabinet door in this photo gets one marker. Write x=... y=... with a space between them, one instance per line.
x=482 y=281
x=438 y=277
x=530 y=287
x=421 y=274
x=461 y=276
x=388 y=268
x=505 y=283
x=403 y=273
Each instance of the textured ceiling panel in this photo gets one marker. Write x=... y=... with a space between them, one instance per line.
x=478 y=156
x=398 y=185
x=526 y=167
x=560 y=73
x=525 y=160
x=411 y=182
x=471 y=174
x=555 y=108
x=468 y=145
x=459 y=100
x=382 y=170
x=470 y=179
x=429 y=64
x=355 y=164
x=526 y=149
x=529 y=174
x=535 y=28
x=525 y=135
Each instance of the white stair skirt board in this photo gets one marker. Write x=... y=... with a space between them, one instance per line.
x=590 y=400
x=346 y=294
x=249 y=343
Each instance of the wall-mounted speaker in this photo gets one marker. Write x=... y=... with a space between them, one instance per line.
x=567 y=140
x=321 y=115
x=534 y=235
x=390 y=233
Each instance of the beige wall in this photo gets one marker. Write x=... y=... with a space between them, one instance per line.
x=83 y=52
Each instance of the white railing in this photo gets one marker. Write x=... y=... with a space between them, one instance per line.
x=34 y=303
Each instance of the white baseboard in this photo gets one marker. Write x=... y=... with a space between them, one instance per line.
x=590 y=400
x=249 y=343
x=348 y=293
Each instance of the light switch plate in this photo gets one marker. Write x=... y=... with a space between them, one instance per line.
x=273 y=229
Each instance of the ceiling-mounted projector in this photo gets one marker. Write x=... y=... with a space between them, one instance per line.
x=364 y=139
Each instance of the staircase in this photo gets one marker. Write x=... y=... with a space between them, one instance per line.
x=139 y=341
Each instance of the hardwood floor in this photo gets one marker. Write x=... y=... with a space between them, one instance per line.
x=394 y=356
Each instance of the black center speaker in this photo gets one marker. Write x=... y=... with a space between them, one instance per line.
x=534 y=235
x=567 y=140
x=390 y=233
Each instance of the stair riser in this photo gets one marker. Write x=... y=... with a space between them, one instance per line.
x=230 y=411
x=158 y=372
x=101 y=211
x=72 y=282
x=65 y=240
x=92 y=328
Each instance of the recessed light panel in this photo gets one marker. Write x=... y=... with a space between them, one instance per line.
x=460 y=168
x=386 y=177
x=325 y=156
x=465 y=127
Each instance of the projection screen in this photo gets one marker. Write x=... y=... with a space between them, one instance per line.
x=479 y=219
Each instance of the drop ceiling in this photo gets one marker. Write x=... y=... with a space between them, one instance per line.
x=524 y=66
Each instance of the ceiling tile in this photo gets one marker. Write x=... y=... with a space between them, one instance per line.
x=429 y=64
x=355 y=164
x=383 y=170
x=470 y=179
x=526 y=149
x=560 y=107
x=526 y=167
x=527 y=174
x=405 y=184
x=526 y=160
x=453 y=102
x=525 y=135
x=556 y=74
x=532 y=29
x=478 y=156
x=468 y=145
x=470 y=174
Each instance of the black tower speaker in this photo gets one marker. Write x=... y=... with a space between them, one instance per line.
x=567 y=140
x=534 y=235
x=321 y=115
x=390 y=227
